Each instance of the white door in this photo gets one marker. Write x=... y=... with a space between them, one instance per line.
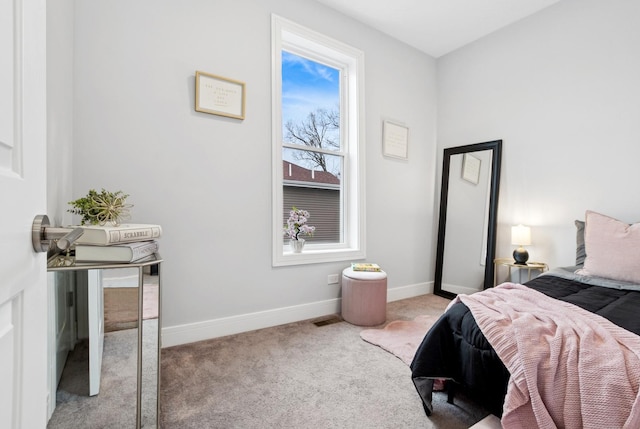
x=23 y=277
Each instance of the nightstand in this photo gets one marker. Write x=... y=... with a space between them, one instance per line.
x=510 y=263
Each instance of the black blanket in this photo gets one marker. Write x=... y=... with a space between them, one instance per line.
x=455 y=348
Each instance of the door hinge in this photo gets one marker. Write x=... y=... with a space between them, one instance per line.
x=70 y=300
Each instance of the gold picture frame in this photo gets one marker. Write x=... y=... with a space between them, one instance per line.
x=219 y=95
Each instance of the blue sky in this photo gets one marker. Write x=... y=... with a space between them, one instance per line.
x=307 y=86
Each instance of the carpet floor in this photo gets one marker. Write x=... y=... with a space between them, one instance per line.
x=310 y=374
x=302 y=375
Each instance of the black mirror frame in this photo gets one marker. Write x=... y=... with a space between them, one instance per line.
x=496 y=147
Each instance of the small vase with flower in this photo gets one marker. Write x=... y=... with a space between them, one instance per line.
x=297 y=226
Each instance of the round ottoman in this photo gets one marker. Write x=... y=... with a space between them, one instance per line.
x=364 y=297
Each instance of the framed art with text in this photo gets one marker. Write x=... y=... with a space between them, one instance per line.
x=219 y=95
x=471 y=168
x=395 y=139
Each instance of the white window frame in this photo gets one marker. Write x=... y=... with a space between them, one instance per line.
x=350 y=61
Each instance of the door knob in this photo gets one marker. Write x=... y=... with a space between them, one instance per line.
x=42 y=235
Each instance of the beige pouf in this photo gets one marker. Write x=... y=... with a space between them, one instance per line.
x=364 y=297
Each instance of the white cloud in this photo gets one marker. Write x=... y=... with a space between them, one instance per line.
x=311 y=67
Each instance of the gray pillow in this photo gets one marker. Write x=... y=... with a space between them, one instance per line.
x=581 y=254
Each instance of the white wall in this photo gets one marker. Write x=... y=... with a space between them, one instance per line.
x=206 y=179
x=561 y=89
x=59 y=108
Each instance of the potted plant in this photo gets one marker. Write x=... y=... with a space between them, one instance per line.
x=101 y=208
x=297 y=226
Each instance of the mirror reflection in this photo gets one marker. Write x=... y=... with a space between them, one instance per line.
x=108 y=368
x=150 y=374
x=467 y=224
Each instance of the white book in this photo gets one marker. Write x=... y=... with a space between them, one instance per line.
x=125 y=233
x=127 y=252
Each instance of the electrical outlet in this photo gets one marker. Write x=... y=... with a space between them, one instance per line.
x=332 y=279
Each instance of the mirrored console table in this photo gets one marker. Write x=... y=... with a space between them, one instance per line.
x=147 y=409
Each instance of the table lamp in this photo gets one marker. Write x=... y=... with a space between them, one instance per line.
x=521 y=236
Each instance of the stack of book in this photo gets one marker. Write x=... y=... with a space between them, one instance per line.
x=363 y=266
x=123 y=243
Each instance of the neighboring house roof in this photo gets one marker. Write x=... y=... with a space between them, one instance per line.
x=305 y=177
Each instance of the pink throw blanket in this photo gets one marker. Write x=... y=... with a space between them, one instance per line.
x=569 y=368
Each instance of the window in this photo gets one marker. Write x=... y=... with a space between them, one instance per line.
x=317 y=152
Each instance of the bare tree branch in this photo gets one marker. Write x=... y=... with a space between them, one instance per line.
x=315 y=131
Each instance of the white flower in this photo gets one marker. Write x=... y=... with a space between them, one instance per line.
x=296 y=224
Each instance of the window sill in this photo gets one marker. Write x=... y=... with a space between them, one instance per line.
x=315 y=256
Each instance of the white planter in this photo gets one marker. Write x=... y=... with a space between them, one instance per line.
x=297 y=245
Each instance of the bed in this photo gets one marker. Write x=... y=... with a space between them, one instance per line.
x=570 y=337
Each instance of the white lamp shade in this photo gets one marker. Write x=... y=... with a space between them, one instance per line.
x=520 y=235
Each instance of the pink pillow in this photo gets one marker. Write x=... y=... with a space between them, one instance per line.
x=613 y=248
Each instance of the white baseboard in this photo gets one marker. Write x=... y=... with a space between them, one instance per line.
x=404 y=292
x=192 y=332
x=459 y=290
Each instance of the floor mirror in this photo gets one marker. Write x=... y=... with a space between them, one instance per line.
x=468 y=217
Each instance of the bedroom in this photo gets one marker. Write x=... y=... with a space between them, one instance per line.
x=559 y=88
